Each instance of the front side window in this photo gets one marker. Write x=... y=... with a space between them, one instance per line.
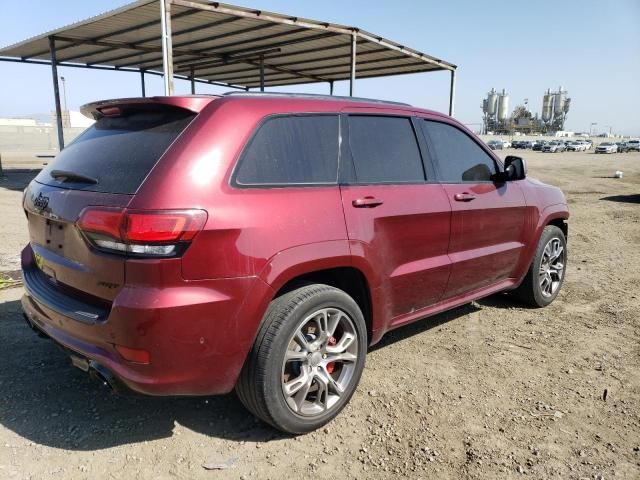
x=292 y=150
x=459 y=158
x=384 y=150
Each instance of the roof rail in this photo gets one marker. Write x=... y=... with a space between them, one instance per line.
x=316 y=96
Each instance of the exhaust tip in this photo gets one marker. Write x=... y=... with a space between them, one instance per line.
x=107 y=378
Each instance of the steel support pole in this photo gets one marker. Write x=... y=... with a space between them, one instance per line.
x=167 y=46
x=452 y=92
x=193 y=81
x=262 y=73
x=352 y=77
x=331 y=87
x=142 y=84
x=56 y=91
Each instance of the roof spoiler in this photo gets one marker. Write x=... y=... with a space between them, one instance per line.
x=195 y=103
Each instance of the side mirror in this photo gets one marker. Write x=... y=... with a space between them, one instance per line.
x=515 y=168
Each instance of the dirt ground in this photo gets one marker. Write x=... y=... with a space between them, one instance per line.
x=489 y=390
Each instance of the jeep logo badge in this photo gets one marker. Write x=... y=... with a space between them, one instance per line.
x=41 y=202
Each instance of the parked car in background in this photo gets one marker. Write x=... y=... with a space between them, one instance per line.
x=607 y=147
x=575 y=147
x=528 y=144
x=517 y=144
x=588 y=143
x=506 y=144
x=539 y=146
x=496 y=144
x=622 y=147
x=193 y=245
x=554 y=147
x=633 y=145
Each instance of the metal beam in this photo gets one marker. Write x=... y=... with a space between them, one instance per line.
x=262 y=73
x=193 y=82
x=167 y=47
x=142 y=84
x=56 y=91
x=260 y=15
x=218 y=63
x=143 y=41
x=331 y=87
x=122 y=31
x=117 y=69
x=287 y=82
x=342 y=74
x=228 y=61
x=452 y=92
x=352 y=73
x=196 y=53
x=215 y=51
x=407 y=51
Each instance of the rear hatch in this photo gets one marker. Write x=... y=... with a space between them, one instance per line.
x=103 y=167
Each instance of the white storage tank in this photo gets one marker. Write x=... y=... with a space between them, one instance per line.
x=547 y=106
x=503 y=105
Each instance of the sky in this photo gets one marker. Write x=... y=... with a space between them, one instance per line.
x=590 y=47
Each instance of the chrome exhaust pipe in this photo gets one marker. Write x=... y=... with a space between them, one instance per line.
x=107 y=378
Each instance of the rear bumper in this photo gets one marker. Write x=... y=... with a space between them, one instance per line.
x=197 y=333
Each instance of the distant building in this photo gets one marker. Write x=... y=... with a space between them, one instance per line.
x=563 y=133
x=18 y=122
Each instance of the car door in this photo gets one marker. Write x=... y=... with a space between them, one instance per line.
x=487 y=219
x=397 y=216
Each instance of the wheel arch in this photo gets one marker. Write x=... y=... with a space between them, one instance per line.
x=346 y=278
x=328 y=263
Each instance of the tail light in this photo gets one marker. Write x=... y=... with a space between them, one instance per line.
x=164 y=233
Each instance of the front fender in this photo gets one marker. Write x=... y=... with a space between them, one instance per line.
x=546 y=216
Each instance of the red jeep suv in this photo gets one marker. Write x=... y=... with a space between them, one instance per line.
x=262 y=242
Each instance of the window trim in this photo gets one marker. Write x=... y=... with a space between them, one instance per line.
x=436 y=160
x=347 y=154
x=233 y=182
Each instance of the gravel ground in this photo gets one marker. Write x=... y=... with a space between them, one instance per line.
x=489 y=390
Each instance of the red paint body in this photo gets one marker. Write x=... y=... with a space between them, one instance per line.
x=420 y=251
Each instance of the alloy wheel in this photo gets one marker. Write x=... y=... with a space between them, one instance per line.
x=551 y=267
x=320 y=362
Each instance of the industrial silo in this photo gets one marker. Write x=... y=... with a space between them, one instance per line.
x=503 y=106
x=547 y=106
x=492 y=102
x=558 y=102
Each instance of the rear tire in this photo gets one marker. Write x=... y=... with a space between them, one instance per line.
x=545 y=276
x=306 y=361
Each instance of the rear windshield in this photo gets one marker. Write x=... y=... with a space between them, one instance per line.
x=116 y=154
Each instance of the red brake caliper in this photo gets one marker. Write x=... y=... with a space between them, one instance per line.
x=331 y=366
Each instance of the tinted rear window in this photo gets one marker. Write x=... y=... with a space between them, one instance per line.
x=292 y=150
x=384 y=150
x=119 y=152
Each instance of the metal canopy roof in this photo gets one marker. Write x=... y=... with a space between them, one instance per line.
x=222 y=44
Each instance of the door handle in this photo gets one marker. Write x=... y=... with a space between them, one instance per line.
x=464 y=197
x=367 y=202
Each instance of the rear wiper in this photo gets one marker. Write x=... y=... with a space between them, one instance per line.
x=65 y=176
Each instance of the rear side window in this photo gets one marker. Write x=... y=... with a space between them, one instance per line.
x=119 y=152
x=459 y=158
x=292 y=150
x=384 y=150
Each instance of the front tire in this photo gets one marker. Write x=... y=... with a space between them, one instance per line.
x=545 y=276
x=306 y=361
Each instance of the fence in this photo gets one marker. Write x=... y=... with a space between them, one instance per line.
x=31 y=146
